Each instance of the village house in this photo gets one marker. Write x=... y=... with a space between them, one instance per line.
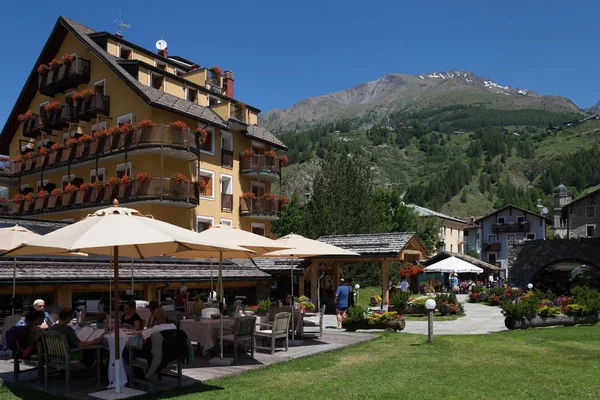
x=579 y=218
x=451 y=232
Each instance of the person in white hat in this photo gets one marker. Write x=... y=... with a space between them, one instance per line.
x=39 y=305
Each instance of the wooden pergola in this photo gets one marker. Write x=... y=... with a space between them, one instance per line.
x=375 y=247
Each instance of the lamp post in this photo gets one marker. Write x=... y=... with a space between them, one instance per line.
x=357 y=286
x=530 y=286
x=430 y=305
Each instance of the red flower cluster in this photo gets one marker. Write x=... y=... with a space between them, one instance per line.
x=217 y=70
x=26 y=116
x=83 y=94
x=179 y=125
x=283 y=160
x=179 y=178
x=146 y=123
x=247 y=153
x=407 y=270
x=52 y=106
x=270 y=154
x=247 y=195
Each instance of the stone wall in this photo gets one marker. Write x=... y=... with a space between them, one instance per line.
x=578 y=219
x=526 y=258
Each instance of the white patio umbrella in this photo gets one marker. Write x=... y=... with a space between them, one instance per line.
x=301 y=247
x=119 y=232
x=226 y=234
x=453 y=264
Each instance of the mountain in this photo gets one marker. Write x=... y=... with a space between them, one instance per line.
x=369 y=102
x=595 y=109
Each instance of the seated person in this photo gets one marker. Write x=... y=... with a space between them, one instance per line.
x=288 y=300
x=152 y=306
x=16 y=337
x=39 y=305
x=131 y=319
x=62 y=326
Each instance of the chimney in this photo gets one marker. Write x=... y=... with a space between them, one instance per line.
x=164 y=53
x=228 y=83
x=193 y=68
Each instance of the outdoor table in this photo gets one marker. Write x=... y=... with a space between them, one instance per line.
x=125 y=339
x=141 y=304
x=205 y=332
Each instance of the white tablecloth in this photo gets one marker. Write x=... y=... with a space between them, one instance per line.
x=141 y=304
x=205 y=331
x=124 y=340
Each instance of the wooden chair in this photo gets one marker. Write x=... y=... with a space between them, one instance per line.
x=314 y=324
x=193 y=308
x=35 y=360
x=153 y=370
x=207 y=312
x=243 y=333
x=279 y=329
x=60 y=356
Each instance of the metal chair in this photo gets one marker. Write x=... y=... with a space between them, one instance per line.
x=59 y=355
x=279 y=329
x=314 y=324
x=243 y=333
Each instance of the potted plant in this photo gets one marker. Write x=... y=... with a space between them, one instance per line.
x=178 y=180
x=97 y=191
x=270 y=158
x=143 y=183
x=125 y=186
x=28 y=157
x=283 y=200
x=283 y=160
x=247 y=153
x=216 y=70
x=42 y=71
x=112 y=140
x=26 y=116
x=52 y=153
x=68 y=195
x=67 y=152
x=249 y=199
x=111 y=188
x=144 y=131
x=269 y=197
x=177 y=132
x=53 y=64
x=66 y=58
x=82 y=145
x=202 y=134
x=17 y=204
x=42 y=200
x=29 y=200
x=125 y=131
x=83 y=195
x=52 y=106
x=54 y=195
x=41 y=158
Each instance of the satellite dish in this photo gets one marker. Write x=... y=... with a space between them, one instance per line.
x=545 y=210
x=161 y=45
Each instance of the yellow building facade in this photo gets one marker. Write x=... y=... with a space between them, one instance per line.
x=160 y=133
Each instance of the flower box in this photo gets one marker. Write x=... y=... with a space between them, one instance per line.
x=107 y=144
x=40 y=203
x=142 y=188
x=94 y=145
x=125 y=190
x=16 y=207
x=110 y=192
x=52 y=202
x=396 y=325
x=67 y=154
x=28 y=164
x=67 y=199
x=558 y=320
x=52 y=156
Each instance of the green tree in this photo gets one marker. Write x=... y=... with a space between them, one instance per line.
x=292 y=220
x=463 y=197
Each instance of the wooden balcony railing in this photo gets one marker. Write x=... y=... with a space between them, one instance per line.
x=35 y=127
x=141 y=138
x=492 y=247
x=226 y=158
x=97 y=104
x=524 y=226
x=156 y=189
x=259 y=163
x=259 y=207
x=67 y=75
x=63 y=116
x=226 y=202
x=214 y=81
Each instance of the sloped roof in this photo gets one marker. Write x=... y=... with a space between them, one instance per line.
x=93 y=269
x=475 y=261
x=506 y=207
x=35 y=225
x=377 y=244
x=259 y=133
x=426 y=212
x=279 y=265
x=150 y=95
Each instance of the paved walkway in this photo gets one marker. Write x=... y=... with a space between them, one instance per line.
x=479 y=319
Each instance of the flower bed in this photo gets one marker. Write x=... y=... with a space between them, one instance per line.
x=359 y=318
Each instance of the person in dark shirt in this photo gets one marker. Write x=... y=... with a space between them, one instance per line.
x=131 y=319
x=341 y=302
x=16 y=338
x=62 y=326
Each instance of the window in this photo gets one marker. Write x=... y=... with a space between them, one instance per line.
x=590 y=231
x=257 y=188
x=501 y=220
x=590 y=212
x=66 y=180
x=203 y=223
x=157 y=81
x=208 y=178
x=97 y=175
x=40 y=185
x=100 y=87
x=124 y=169
x=192 y=95
x=530 y=236
x=257 y=228
x=125 y=118
x=466 y=233
x=492 y=259
x=160 y=65
x=225 y=221
x=226 y=149
x=259 y=148
x=125 y=53
x=101 y=125
x=213 y=101
x=226 y=192
x=510 y=239
x=491 y=238
x=520 y=219
x=208 y=146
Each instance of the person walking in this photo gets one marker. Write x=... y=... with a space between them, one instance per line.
x=341 y=302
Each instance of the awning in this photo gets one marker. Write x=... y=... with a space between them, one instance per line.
x=453 y=264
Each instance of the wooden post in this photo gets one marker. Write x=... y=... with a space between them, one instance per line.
x=301 y=285
x=64 y=296
x=314 y=278
x=385 y=275
x=336 y=275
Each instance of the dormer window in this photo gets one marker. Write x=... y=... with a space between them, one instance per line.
x=157 y=81
x=212 y=101
x=125 y=53
x=160 y=65
x=192 y=95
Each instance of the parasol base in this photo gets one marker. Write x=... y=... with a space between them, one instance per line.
x=110 y=394
x=220 y=362
x=296 y=343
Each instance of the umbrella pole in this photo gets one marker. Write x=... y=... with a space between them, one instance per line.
x=292 y=296
x=117 y=346
x=132 y=290
x=14 y=285
x=211 y=281
x=221 y=297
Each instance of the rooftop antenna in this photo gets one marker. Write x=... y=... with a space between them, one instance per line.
x=121 y=25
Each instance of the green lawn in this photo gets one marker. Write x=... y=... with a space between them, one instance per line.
x=364 y=294
x=557 y=363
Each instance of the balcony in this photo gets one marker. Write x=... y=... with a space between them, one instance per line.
x=492 y=247
x=226 y=158
x=63 y=116
x=67 y=75
x=260 y=167
x=179 y=144
x=226 y=202
x=260 y=208
x=240 y=113
x=524 y=226
x=95 y=105
x=32 y=128
x=157 y=190
x=214 y=84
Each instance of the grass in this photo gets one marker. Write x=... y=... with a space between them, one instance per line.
x=557 y=363
x=364 y=294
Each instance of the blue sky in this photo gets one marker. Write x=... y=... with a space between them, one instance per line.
x=282 y=51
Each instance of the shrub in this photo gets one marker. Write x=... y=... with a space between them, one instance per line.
x=400 y=299
x=526 y=307
x=420 y=302
x=497 y=291
x=586 y=297
x=381 y=318
x=449 y=298
x=546 y=311
x=576 y=309
x=263 y=306
x=478 y=289
x=355 y=313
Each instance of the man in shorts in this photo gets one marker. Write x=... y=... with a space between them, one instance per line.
x=341 y=302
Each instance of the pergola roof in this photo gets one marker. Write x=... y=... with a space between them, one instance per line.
x=279 y=265
x=378 y=245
